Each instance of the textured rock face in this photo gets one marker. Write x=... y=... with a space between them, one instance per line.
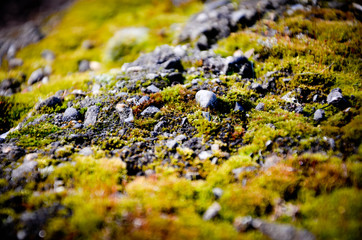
x=91 y=115
x=70 y=114
x=206 y=98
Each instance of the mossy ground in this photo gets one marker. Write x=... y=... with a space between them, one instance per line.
x=99 y=200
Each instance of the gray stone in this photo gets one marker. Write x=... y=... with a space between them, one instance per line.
x=180 y=138
x=217 y=192
x=24 y=169
x=49 y=102
x=48 y=55
x=319 y=115
x=158 y=127
x=281 y=231
x=91 y=115
x=238 y=107
x=70 y=114
x=206 y=98
x=83 y=66
x=152 y=89
x=150 y=111
x=238 y=171
x=125 y=113
x=205 y=155
x=243 y=224
x=143 y=100
x=15 y=62
x=212 y=211
x=87 y=151
x=171 y=144
x=260 y=107
x=36 y=76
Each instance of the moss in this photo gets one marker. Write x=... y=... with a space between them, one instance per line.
x=34 y=136
x=335 y=216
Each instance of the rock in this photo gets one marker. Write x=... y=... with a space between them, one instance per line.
x=143 y=99
x=83 y=66
x=171 y=144
x=24 y=169
x=319 y=115
x=238 y=107
x=36 y=76
x=150 y=111
x=125 y=113
x=174 y=63
x=70 y=114
x=175 y=77
x=336 y=99
x=152 y=89
x=30 y=157
x=212 y=211
x=180 y=138
x=87 y=151
x=206 y=99
x=260 y=107
x=91 y=115
x=257 y=87
x=15 y=62
x=158 y=127
x=217 y=192
x=49 y=102
x=240 y=65
x=281 y=231
x=243 y=224
x=205 y=155
x=48 y=55
x=9 y=86
x=244 y=17
x=87 y=44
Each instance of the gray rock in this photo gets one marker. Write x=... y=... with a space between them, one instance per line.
x=256 y=87
x=336 y=99
x=143 y=100
x=205 y=155
x=158 y=127
x=24 y=169
x=87 y=151
x=48 y=55
x=150 y=111
x=70 y=114
x=238 y=107
x=171 y=144
x=260 y=107
x=206 y=99
x=91 y=115
x=217 y=192
x=180 y=138
x=15 y=62
x=240 y=65
x=83 y=66
x=243 y=224
x=49 y=102
x=319 y=115
x=125 y=113
x=212 y=211
x=36 y=76
x=152 y=89
x=281 y=231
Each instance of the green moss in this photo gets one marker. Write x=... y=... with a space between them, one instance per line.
x=34 y=136
x=335 y=216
